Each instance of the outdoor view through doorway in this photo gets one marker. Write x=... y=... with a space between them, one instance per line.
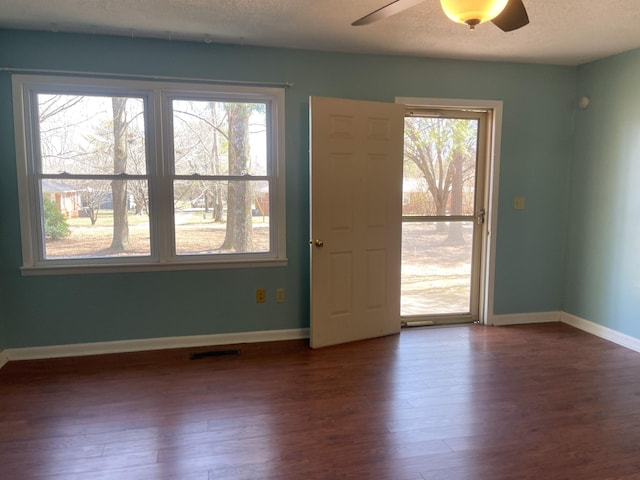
x=443 y=214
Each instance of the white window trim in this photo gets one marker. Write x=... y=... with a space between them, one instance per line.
x=155 y=92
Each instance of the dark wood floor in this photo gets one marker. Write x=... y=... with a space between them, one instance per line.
x=527 y=402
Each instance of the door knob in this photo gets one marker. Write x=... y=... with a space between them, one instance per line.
x=318 y=243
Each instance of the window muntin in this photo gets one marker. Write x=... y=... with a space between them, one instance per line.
x=169 y=183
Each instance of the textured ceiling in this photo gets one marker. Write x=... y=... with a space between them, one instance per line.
x=561 y=31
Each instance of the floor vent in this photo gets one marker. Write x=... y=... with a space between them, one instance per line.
x=213 y=353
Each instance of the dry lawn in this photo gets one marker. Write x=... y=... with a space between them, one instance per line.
x=195 y=235
x=435 y=273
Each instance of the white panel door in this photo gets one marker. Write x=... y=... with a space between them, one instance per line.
x=356 y=212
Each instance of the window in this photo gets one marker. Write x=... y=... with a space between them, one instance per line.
x=144 y=175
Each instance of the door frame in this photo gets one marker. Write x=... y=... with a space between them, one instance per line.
x=487 y=261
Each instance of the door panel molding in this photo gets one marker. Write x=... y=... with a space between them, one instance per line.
x=355 y=200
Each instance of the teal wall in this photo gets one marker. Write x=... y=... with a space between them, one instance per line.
x=7 y=206
x=536 y=154
x=603 y=248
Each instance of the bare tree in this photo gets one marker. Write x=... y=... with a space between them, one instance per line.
x=441 y=149
x=464 y=148
x=239 y=232
x=58 y=117
x=455 y=228
x=120 y=241
x=214 y=139
x=92 y=200
x=200 y=142
x=54 y=105
x=216 y=192
x=428 y=148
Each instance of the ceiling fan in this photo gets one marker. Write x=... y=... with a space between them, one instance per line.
x=507 y=15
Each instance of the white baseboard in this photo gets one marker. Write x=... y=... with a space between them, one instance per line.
x=123 y=346
x=524 y=318
x=598 y=330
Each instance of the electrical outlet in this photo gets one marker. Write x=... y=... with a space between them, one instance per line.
x=280 y=295
x=518 y=203
x=261 y=295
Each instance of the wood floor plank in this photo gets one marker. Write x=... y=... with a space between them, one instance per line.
x=458 y=403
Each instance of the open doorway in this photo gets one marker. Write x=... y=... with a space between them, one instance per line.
x=356 y=227
x=446 y=204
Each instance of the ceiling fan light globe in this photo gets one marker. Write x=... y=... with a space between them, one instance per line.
x=473 y=12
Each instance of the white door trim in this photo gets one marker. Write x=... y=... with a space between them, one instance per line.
x=491 y=188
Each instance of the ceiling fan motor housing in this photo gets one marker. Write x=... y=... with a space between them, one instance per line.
x=473 y=12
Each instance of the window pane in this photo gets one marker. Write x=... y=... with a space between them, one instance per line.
x=439 y=166
x=95 y=135
x=219 y=138
x=221 y=217
x=79 y=219
x=95 y=163
x=436 y=267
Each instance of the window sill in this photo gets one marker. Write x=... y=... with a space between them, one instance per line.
x=132 y=267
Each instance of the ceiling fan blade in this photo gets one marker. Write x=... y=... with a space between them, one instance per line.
x=513 y=17
x=392 y=8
